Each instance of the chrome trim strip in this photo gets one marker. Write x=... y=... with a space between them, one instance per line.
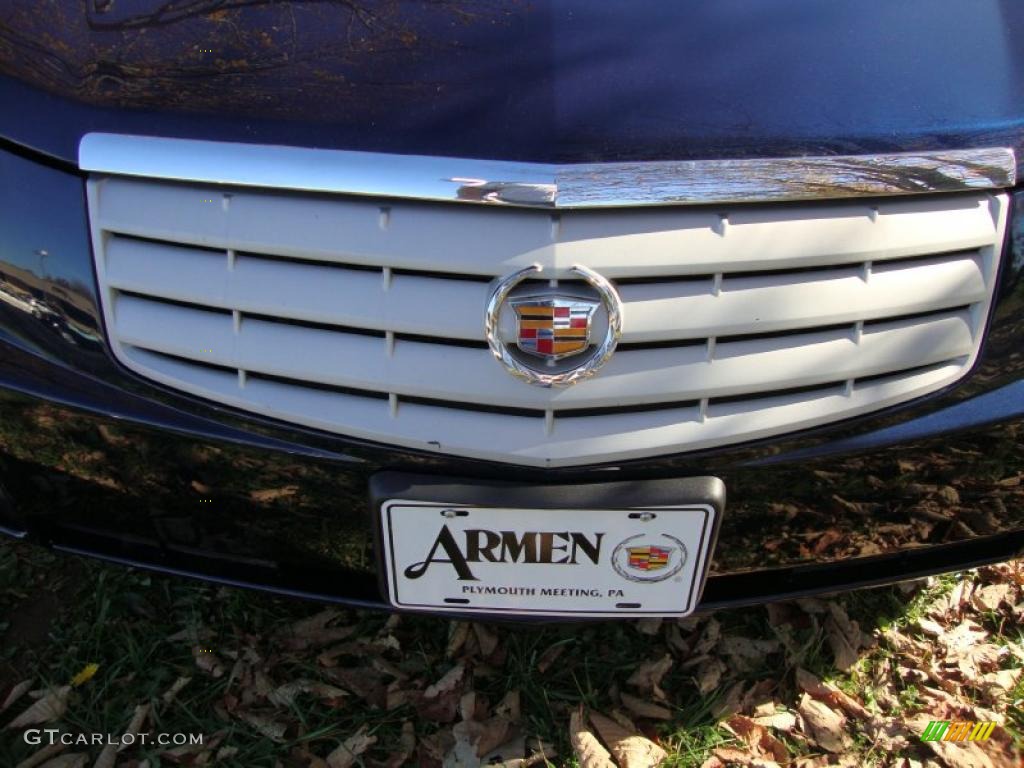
x=538 y=185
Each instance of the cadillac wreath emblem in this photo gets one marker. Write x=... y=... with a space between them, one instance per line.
x=551 y=327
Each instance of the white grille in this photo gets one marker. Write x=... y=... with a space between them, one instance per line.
x=365 y=318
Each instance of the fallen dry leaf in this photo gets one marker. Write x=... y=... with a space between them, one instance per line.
x=640 y=708
x=440 y=701
x=823 y=724
x=975 y=660
x=830 y=694
x=630 y=749
x=264 y=724
x=842 y=635
x=813 y=605
x=406 y=746
x=709 y=638
x=107 y=757
x=346 y=753
x=731 y=756
x=70 y=760
x=961 y=754
x=648 y=626
x=513 y=750
x=541 y=753
x=433 y=747
x=730 y=703
x=1002 y=681
x=888 y=734
x=487 y=640
x=647 y=677
x=510 y=707
x=991 y=596
x=314 y=631
x=549 y=657
x=172 y=692
x=208 y=662
x=676 y=641
x=905 y=645
x=48 y=708
x=587 y=748
x=41 y=756
x=758 y=739
x=139 y=717
x=458 y=632
x=284 y=695
x=449 y=682
x=638 y=752
x=709 y=675
x=961 y=637
x=609 y=729
x=193 y=754
x=779 y=721
x=783 y=624
x=398 y=696
x=469 y=704
x=931 y=627
x=745 y=653
x=363 y=682
x=16 y=693
x=475 y=739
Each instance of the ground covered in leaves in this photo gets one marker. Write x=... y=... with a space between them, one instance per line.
x=851 y=680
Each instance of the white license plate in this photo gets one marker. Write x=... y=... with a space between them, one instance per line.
x=555 y=562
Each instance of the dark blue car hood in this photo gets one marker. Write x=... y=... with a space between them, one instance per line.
x=551 y=80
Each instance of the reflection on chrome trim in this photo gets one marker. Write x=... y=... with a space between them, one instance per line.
x=537 y=185
x=802 y=178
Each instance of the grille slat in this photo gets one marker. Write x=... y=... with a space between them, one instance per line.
x=616 y=243
x=321 y=294
x=763 y=304
x=791 y=316
x=523 y=440
x=657 y=312
x=462 y=375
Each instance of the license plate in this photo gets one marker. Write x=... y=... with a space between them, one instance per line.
x=554 y=562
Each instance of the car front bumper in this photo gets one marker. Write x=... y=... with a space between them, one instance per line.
x=272 y=518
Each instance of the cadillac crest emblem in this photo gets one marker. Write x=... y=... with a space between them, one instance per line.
x=649 y=558
x=553 y=327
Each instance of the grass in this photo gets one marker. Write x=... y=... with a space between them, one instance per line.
x=62 y=613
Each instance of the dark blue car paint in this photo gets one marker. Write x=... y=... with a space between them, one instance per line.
x=547 y=80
